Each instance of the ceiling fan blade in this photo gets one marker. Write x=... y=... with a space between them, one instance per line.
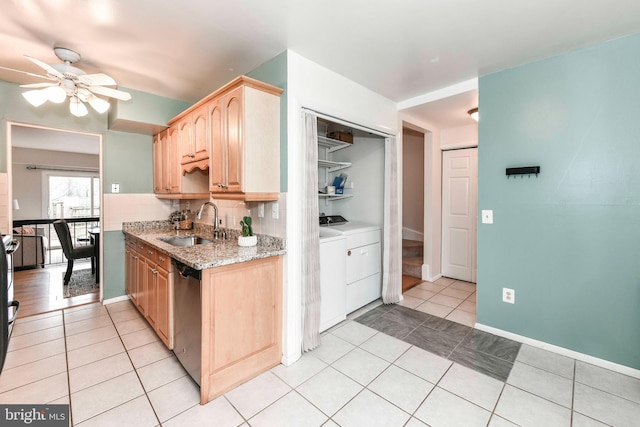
x=48 y=68
x=83 y=94
x=27 y=73
x=112 y=93
x=39 y=85
x=98 y=79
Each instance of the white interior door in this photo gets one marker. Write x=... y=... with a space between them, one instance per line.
x=459 y=207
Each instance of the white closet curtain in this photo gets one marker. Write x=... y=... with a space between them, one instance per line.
x=392 y=255
x=310 y=238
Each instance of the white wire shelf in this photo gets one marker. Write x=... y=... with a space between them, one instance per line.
x=333 y=166
x=332 y=144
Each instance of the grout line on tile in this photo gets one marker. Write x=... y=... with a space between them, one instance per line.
x=66 y=361
x=135 y=370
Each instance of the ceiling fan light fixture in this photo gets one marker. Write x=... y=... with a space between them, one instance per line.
x=77 y=108
x=55 y=94
x=474 y=114
x=98 y=104
x=35 y=97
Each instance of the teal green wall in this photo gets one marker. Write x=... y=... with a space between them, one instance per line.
x=127 y=158
x=113 y=272
x=13 y=107
x=146 y=108
x=128 y=161
x=567 y=241
x=274 y=72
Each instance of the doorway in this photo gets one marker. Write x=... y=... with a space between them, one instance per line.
x=52 y=173
x=459 y=213
x=412 y=207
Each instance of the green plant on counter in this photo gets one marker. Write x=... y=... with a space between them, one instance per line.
x=246 y=226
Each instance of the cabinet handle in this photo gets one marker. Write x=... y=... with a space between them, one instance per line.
x=154 y=271
x=149 y=252
x=135 y=257
x=161 y=258
x=348 y=253
x=221 y=185
x=192 y=155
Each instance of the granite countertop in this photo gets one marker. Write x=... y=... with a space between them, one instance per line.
x=219 y=252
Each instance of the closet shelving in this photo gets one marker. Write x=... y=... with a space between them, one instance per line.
x=332 y=145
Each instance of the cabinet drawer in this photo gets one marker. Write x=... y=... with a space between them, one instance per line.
x=362 y=262
x=149 y=252
x=163 y=260
x=363 y=292
x=362 y=239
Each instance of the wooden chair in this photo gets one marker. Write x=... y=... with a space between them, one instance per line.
x=71 y=252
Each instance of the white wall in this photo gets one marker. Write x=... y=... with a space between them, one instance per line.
x=313 y=86
x=28 y=184
x=459 y=137
x=367 y=174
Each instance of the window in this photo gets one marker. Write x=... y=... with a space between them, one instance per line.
x=73 y=195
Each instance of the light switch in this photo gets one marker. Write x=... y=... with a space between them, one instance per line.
x=115 y=188
x=487 y=217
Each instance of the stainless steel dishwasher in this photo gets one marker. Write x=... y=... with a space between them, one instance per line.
x=187 y=318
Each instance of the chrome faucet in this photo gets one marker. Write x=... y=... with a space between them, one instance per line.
x=216 y=229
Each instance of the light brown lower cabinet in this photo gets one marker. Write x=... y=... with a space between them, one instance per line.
x=241 y=323
x=149 y=284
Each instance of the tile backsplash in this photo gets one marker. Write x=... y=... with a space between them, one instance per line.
x=231 y=212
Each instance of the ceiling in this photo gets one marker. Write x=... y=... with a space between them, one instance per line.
x=54 y=140
x=401 y=50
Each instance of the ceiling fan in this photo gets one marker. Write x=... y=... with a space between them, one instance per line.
x=69 y=81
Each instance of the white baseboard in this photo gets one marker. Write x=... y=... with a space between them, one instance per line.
x=410 y=234
x=116 y=299
x=426 y=274
x=635 y=373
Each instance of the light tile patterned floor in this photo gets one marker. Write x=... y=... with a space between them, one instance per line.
x=448 y=298
x=118 y=373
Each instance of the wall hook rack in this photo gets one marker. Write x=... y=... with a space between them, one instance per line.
x=526 y=170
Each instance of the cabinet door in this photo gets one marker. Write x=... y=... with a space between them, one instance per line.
x=158 y=165
x=141 y=292
x=173 y=159
x=234 y=135
x=163 y=326
x=218 y=154
x=127 y=269
x=200 y=133
x=185 y=145
x=151 y=274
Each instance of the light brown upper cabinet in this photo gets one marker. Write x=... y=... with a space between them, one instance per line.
x=168 y=180
x=230 y=139
x=245 y=141
x=159 y=185
x=194 y=139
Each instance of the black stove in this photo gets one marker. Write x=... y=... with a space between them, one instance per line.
x=332 y=219
x=8 y=307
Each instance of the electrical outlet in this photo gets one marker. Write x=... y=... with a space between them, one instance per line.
x=260 y=210
x=115 y=188
x=508 y=295
x=275 y=210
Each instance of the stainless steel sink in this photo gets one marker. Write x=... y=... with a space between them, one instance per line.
x=185 y=240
